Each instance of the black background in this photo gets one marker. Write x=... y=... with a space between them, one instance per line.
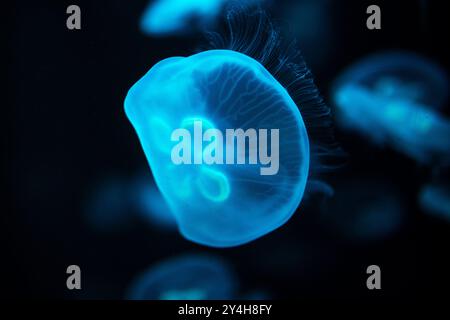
x=65 y=129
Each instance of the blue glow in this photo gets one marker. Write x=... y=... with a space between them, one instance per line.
x=168 y=17
x=435 y=199
x=188 y=277
x=396 y=108
x=220 y=205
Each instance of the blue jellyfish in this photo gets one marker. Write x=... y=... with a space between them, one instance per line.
x=435 y=199
x=187 y=277
x=365 y=210
x=390 y=98
x=225 y=140
x=400 y=75
x=221 y=94
x=169 y=17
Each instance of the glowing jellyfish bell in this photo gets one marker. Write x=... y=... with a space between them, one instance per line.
x=226 y=142
x=187 y=277
x=390 y=98
x=222 y=204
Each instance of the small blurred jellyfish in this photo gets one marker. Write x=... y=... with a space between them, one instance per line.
x=236 y=85
x=391 y=98
x=117 y=203
x=400 y=75
x=365 y=210
x=107 y=207
x=187 y=277
x=171 y=17
x=150 y=204
x=435 y=199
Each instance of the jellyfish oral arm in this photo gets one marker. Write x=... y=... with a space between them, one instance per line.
x=213 y=153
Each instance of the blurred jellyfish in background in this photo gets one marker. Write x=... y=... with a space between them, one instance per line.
x=365 y=210
x=228 y=203
x=118 y=203
x=172 y=17
x=435 y=199
x=108 y=207
x=150 y=204
x=392 y=98
x=187 y=277
x=400 y=75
